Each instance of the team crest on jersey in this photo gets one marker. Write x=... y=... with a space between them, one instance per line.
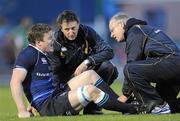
x=44 y=61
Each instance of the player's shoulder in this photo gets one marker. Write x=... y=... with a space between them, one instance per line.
x=86 y=28
x=27 y=57
x=88 y=31
x=29 y=50
x=28 y=53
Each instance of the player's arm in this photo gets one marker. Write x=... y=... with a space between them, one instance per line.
x=134 y=45
x=102 y=52
x=17 y=78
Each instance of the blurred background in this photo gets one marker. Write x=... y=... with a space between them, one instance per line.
x=16 y=16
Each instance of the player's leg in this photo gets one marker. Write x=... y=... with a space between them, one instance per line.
x=108 y=72
x=91 y=77
x=85 y=78
x=85 y=94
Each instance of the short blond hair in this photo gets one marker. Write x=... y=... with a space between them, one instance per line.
x=120 y=16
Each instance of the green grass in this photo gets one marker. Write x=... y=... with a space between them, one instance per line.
x=8 y=112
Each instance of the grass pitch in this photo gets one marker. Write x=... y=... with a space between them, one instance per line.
x=8 y=112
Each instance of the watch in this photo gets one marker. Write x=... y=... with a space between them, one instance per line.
x=87 y=62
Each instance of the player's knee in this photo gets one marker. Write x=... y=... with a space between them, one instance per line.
x=87 y=94
x=92 y=76
x=96 y=94
x=88 y=73
x=93 y=92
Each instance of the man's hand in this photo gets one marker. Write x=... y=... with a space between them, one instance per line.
x=81 y=68
x=32 y=110
x=123 y=98
x=24 y=114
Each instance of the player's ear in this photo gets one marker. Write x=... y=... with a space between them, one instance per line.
x=78 y=24
x=122 y=24
x=38 y=41
x=60 y=27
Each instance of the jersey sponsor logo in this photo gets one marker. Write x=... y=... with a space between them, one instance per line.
x=44 y=61
x=42 y=74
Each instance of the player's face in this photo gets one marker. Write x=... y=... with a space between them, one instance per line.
x=70 y=29
x=47 y=42
x=117 y=30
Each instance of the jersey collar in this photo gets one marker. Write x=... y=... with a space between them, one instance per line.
x=37 y=49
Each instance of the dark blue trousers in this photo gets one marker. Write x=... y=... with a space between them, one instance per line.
x=140 y=75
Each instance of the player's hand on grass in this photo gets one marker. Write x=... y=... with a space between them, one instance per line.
x=32 y=110
x=24 y=114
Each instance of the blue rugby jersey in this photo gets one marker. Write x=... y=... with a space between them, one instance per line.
x=38 y=82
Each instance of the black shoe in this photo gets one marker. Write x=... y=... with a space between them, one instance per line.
x=139 y=108
x=134 y=108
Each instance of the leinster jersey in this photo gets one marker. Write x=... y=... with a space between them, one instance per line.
x=38 y=82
